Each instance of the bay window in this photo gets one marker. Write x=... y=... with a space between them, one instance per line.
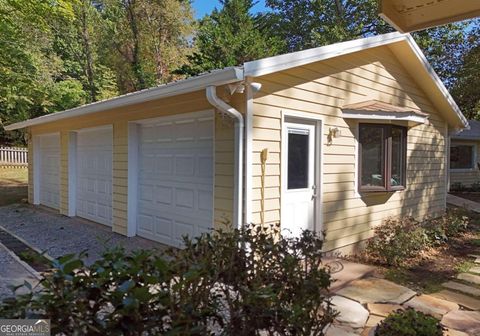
x=382 y=157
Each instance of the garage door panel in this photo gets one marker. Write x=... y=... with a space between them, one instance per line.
x=49 y=170
x=94 y=175
x=175 y=195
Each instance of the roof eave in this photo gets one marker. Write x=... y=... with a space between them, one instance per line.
x=282 y=62
x=219 y=77
x=462 y=122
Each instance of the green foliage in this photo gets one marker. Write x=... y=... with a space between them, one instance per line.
x=465 y=88
x=305 y=24
x=409 y=322
x=397 y=240
x=457 y=186
x=228 y=37
x=240 y=282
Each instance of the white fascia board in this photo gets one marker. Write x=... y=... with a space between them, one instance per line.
x=390 y=116
x=278 y=63
x=438 y=82
x=219 y=77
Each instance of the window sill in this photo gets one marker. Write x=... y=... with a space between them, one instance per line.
x=378 y=191
x=462 y=170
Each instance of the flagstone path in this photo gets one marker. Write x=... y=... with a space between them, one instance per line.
x=364 y=302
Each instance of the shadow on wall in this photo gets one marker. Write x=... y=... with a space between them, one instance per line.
x=324 y=87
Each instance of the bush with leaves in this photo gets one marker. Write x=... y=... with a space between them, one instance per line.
x=409 y=322
x=396 y=240
x=242 y=282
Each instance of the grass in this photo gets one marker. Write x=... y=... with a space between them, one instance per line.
x=464 y=266
x=13 y=185
x=428 y=283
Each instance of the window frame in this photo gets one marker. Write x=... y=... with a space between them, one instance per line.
x=386 y=157
x=473 y=158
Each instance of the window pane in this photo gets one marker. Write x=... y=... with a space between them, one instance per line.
x=372 y=154
x=397 y=157
x=297 y=160
x=461 y=157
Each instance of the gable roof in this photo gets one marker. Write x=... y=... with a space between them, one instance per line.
x=403 y=45
x=473 y=133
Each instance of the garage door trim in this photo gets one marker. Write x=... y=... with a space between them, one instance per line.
x=37 y=159
x=133 y=157
x=74 y=173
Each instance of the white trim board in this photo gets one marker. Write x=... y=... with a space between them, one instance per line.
x=318 y=121
x=218 y=77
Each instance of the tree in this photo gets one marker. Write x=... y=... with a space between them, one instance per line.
x=465 y=90
x=306 y=24
x=29 y=67
x=230 y=36
x=148 y=39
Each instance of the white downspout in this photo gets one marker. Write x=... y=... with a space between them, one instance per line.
x=239 y=128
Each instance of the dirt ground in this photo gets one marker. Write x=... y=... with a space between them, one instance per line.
x=13 y=185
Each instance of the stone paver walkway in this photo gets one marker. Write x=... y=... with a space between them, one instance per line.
x=12 y=273
x=463 y=203
x=364 y=302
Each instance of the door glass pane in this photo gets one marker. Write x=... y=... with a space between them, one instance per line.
x=461 y=157
x=397 y=157
x=372 y=154
x=298 y=159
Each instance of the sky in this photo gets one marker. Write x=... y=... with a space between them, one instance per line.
x=203 y=7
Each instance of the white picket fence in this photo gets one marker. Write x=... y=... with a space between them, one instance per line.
x=13 y=157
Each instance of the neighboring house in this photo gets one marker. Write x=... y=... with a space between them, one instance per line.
x=355 y=133
x=464 y=156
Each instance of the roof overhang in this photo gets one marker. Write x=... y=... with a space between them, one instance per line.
x=217 y=77
x=412 y=15
x=403 y=46
x=378 y=111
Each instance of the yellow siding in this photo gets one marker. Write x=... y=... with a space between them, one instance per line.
x=30 y=167
x=120 y=117
x=466 y=177
x=322 y=89
x=64 y=172
x=119 y=177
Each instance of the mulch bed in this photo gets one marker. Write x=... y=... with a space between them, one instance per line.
x=429 y=269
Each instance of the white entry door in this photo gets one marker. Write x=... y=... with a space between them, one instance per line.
x=299 y=189
x=175 y=181
x=49 y=170
x=94 y=175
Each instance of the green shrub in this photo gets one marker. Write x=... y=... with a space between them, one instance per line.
x=457 y=186
x=242 y=282
x=475 y=186
x=455 y=222
x=396 y=240
x=409 y=323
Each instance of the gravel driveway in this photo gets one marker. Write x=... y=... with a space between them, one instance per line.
x=59 y=235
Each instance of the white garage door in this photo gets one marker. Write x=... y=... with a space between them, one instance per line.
x=94 y=175
x=49 y=170
x=175 y=195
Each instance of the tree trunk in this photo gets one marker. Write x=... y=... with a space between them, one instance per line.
x=136 y=62
x=87 y=50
